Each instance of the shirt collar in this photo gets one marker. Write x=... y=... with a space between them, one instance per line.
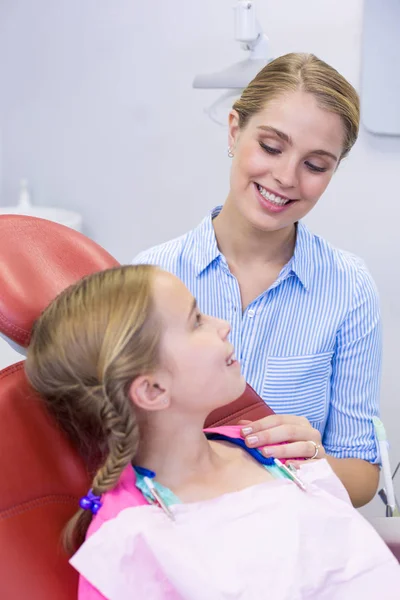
x=205 y=243
x=302 y=261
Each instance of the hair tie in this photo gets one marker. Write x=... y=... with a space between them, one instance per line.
x=91 y=502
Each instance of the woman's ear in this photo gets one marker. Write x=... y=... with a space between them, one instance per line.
x=149 y=392
x=233 y=129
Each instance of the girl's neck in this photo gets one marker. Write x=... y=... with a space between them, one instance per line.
x=175 y=450
x=243 y=244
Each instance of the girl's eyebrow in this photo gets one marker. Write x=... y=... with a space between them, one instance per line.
x=193 y=308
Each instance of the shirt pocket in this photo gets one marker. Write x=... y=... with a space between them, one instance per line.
x=299 y=385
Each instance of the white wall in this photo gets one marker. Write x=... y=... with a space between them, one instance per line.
x=97 y=110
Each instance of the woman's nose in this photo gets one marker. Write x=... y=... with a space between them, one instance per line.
x=285 y=174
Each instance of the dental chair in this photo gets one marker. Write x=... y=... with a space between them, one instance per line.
x=42 y=476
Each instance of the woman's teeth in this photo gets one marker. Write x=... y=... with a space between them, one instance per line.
x=273 y=198
x=230 y=361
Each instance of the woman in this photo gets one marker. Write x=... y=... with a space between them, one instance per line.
x=131 y=368
x=305 y=316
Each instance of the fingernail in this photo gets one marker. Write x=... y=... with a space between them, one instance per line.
x=252 y=439
x=247 y=430
x=267 y=452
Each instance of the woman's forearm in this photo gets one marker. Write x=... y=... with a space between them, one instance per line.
x=359 y=477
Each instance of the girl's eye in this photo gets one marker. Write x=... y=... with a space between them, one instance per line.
x=199 y=320
x=269 y=149
x=314 y=168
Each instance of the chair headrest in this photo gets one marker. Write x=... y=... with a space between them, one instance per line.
x=13 y=345
x=38 y=260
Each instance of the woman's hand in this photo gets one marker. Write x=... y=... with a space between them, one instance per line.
x=286 y=436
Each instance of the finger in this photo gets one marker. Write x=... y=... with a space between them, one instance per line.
x=244 y=422
x=294 y=450
x=274 y=421
x=282 y=434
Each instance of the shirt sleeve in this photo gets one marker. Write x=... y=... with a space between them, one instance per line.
x=355 y=379
x=166 y=255
x=145 y=258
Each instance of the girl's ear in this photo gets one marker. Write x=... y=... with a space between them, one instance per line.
x=150 y=392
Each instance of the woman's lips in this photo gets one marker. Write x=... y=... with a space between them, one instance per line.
x=270 y=201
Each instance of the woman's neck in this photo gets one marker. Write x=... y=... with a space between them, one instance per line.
x=243 y=244
x=175 y=450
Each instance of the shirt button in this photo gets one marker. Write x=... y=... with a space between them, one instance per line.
x=251 y=313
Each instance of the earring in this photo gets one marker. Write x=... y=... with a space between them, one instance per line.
x=230 y=153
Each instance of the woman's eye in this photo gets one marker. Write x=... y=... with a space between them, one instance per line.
x=269 y=149
x=314 y=168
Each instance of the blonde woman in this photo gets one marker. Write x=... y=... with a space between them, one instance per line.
x=130 y=368
x=305 y=316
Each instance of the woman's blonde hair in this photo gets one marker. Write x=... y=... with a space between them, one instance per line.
x=306 y=72
x=86 y=349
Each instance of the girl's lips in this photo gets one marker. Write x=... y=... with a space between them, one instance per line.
x=234 y=362
x=231 y=360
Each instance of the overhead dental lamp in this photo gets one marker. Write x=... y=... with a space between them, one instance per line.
x=235 y=78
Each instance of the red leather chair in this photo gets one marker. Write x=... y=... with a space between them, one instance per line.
x=41 y=475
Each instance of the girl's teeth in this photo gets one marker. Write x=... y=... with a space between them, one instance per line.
x=277 y=200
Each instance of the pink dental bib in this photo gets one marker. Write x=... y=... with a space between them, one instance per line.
x=270 y=541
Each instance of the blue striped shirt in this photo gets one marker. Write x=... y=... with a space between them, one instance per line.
x=310 y=345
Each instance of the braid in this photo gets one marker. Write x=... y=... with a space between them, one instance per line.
x=122 y=435
x=86 y=348
x=121 y=432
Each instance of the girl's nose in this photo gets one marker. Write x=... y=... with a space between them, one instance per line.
x=223 y=328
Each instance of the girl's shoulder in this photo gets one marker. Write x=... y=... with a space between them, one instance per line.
x=124 y=495
x=127 y=494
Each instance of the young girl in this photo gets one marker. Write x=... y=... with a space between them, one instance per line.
x=131 y=369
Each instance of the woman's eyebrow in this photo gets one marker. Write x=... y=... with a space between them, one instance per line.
x=286 y=138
